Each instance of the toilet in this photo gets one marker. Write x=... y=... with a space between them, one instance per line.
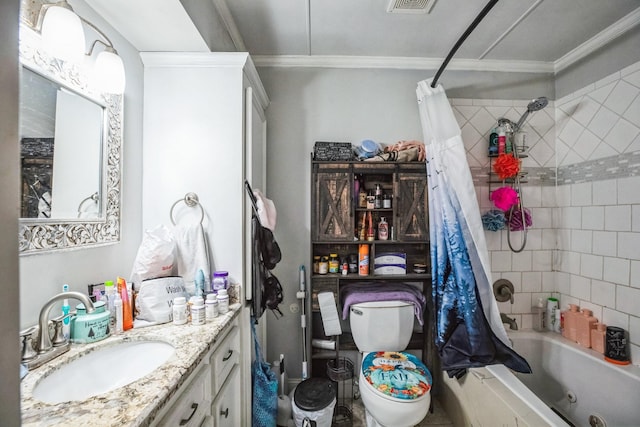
x=395 y=385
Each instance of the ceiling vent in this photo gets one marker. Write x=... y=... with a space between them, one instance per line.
x=410 y=6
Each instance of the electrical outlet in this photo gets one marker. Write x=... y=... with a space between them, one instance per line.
x=294 y=308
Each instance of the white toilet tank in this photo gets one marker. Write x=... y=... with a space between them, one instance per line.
x=381 y=325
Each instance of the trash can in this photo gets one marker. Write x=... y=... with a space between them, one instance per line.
x=314 y=400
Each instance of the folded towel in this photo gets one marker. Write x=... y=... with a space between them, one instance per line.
x=192 y=254
x=354 y=293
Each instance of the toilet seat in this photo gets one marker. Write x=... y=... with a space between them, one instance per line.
x=396 y=376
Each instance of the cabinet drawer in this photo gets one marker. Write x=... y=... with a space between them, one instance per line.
x=226 y=409
x=225 y=357
x=190 y=410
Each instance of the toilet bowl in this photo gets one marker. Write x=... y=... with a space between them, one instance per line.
x=395 y=386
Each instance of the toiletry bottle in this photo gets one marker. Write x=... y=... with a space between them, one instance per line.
x=109 y=298
x=334 y=263
x=493 y=142
x=198 y=315
x=383 y=229
x=557 y=326
x=223 y=301
x=552 y=306
x=66 y=322
x=220 y=280
x=598 y=337
x=363 y=260
x=502 y=140
x=199 y=282
x=570 y=318
x=539 y=316
x=371 y=233
x=179 y=309
x=117 y=304
x=585 y=323
x=377 y=203
x=127 y=316
x=211 y=307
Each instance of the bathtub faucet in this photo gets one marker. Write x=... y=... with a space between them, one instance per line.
x=510 y=321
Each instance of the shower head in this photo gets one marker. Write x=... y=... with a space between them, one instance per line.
x=535 y=105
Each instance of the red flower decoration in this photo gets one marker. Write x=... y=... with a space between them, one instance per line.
x=506 y=166
x=504 y=198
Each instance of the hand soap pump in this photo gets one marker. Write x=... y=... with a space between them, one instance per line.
x=539 y=316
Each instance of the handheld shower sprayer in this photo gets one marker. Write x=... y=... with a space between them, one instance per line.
x=535 y=105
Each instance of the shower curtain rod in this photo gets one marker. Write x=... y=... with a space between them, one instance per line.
x=461 y=40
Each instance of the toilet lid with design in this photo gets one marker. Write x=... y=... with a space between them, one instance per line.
x=397 y=374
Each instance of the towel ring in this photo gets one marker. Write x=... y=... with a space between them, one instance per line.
x=191 y=200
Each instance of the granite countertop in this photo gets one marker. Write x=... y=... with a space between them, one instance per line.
x=135 y=404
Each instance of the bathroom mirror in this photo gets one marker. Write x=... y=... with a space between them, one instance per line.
x=61 y=135
x=71 y=142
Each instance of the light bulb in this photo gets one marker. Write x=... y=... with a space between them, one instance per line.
x=63 y=35
x=108 y=73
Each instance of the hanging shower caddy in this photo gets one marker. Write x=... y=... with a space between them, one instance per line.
x=516 y=145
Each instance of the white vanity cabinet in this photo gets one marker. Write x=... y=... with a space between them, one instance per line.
x=210 y=396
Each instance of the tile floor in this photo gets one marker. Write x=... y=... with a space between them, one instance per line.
x=438 y=418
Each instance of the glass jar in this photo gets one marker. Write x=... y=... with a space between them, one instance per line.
x=316 y=264
x=323 y=268
x=386 y=201
x=334 y=263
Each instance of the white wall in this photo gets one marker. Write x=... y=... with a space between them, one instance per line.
x=193 y=143
x=42 y=276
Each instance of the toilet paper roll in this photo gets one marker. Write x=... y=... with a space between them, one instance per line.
x=329 y=313
x=325 y=344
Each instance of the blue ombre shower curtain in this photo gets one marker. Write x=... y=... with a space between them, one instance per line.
x=468 y=329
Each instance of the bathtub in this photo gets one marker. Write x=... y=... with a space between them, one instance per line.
x=575 y=383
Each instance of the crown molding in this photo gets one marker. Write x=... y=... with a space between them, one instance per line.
x=596 y=42
x=399 y=63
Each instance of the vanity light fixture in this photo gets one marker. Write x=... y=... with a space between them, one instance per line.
x=63 y=37
x=62 y=32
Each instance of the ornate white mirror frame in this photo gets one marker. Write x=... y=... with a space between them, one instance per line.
x=37 y=235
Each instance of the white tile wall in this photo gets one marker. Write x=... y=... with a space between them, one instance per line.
x=584 y=245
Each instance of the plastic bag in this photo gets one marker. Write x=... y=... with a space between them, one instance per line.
x=156 y=255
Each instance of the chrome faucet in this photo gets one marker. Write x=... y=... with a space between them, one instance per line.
x=45 y=350
x=510 y=321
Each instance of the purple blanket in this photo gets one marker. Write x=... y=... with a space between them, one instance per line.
x=354 y=293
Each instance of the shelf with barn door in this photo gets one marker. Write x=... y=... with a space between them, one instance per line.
x=349 y=202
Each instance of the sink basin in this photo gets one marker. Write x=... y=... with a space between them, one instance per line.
x=103 y=370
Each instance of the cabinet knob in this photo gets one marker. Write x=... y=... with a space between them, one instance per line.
x=225 y=412
x=194 y=408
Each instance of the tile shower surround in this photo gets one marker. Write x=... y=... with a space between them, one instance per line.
x=583 y=190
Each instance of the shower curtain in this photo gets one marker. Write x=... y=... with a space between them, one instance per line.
x=468 y=329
